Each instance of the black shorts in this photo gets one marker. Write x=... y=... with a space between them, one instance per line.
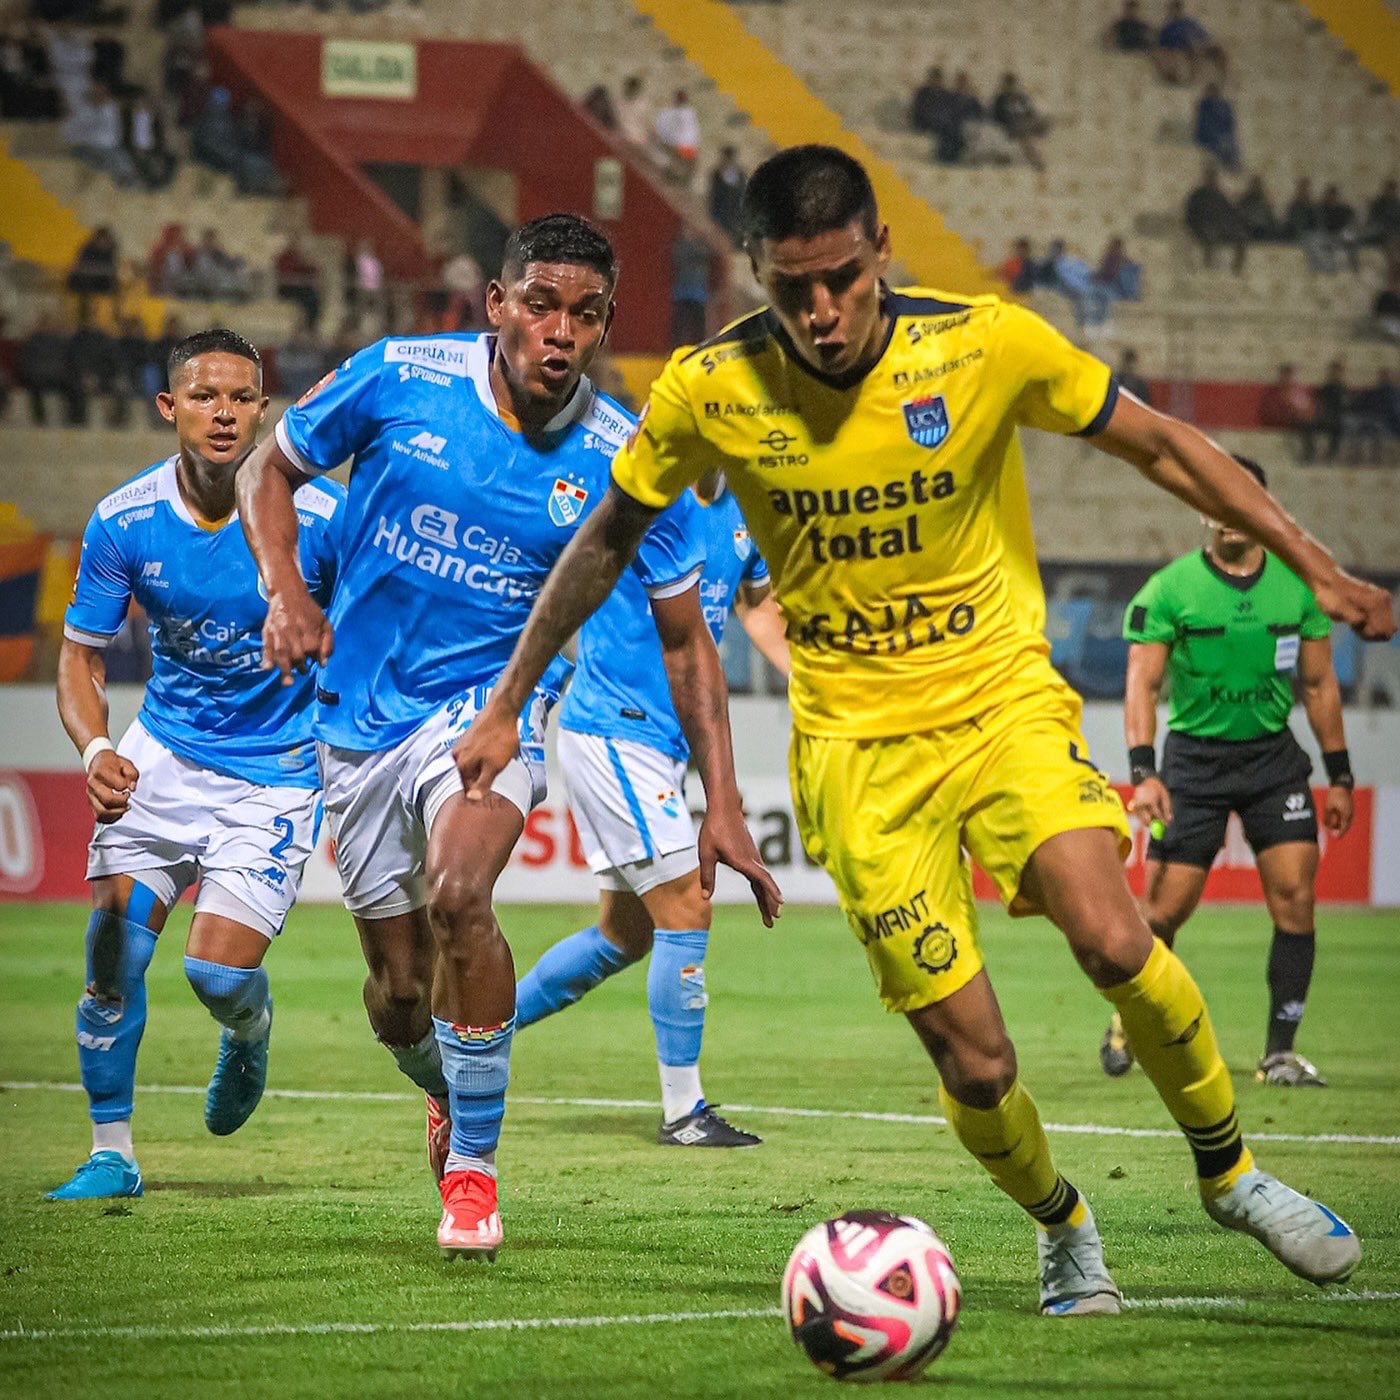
x=1264 y=780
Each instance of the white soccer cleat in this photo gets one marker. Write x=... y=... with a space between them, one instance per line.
x=1074 y=1280
x=1301 y=1233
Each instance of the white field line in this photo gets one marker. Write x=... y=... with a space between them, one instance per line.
x=538 y=1324
x=850 y=1115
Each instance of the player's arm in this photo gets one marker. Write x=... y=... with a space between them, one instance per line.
x=296 y=630
x=82 y=707
x=760 y=616
x=701 y=700
x=1147 y=668
x=1322 y=703
x=1185 y=462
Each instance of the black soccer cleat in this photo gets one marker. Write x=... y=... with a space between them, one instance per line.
x=1115 y=1054
x=704 y=1128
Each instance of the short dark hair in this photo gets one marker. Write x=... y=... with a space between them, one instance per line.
x=1254 y=469
x=804 y=191
x=219 y=339
x=559 y=238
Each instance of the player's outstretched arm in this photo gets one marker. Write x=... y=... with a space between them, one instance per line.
x=1147 y=666
x=296 y=630
x=582 y=577
x=701 y=700
x=1185 y=462
x=760 y=616
x=1322 y=703
x=82 y=706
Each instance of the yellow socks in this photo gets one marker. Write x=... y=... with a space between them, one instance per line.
x=1169 y=1029
x=1010 y=1142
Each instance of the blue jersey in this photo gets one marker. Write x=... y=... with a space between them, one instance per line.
x=454 y=520
x=208 y=699
x=620 y=690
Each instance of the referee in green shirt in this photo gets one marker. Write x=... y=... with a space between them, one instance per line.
x=1228 y=627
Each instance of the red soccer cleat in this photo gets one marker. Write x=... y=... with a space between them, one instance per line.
x=439 y=1139
x=471 y=1224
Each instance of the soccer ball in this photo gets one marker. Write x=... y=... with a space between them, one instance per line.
x=871 y=1296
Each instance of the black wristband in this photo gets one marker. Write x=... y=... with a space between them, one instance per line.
x=1338 y=766
x=1142 y=763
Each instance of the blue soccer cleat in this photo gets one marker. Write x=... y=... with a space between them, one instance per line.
x=104 y=1174
x=240 y=1076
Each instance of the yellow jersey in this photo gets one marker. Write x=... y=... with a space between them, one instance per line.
x=892 y=510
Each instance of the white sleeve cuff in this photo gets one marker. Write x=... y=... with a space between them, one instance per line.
x=87 y=639
x=284 y=441
x=675 y=589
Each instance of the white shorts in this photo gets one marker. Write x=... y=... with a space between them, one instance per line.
x=246 y=843
x=628 y=803
x=381 y=806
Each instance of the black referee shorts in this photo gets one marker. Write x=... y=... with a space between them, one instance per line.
x=1264 y=780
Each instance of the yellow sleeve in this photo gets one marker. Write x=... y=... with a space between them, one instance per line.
x=1054 y=385
x=667 y=451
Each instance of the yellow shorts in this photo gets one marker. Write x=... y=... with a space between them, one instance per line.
x=893 y=822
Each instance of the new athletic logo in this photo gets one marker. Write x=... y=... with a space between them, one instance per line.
x=1297 y=807
x=566 y=501
x=927 y=420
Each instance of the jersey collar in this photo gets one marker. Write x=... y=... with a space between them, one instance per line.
x=1241 y=583
x=479 y=354
x=168 y=490
x=851 y=377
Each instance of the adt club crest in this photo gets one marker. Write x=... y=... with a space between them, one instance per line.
x=927 y=420
x=566 y=502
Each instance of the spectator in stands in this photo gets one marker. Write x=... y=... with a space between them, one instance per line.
x=934 y=112
x=70 y=62
x=1213 y=220
x=1072 y=277
x=1301 y=217
x=1130 y=33
x=255 y=171
x=1286 y=404
x=1130 y=378
x=214 y=273
x=1385 y=310
x=1374 y=419
x=27 y=92
x=634 y=114
x=1330 y=404
x=1118 y=274
x=184 y=51
x=1184 y=45
x=365 y=282
x=94 y=270
x=1215 y=129
x=598 y=103
x=462 y=280
x=727 y=179
x=969 y=113
x=97 y=370
x=235 y=144
x=143 y=379
x=45 y=368
x=145 y=144
x=301 y=361
x=299 y=281
x=1015 y=113
x=109 y=64
x=1257 y=211
x=168 y=260
x=690 y=287
x=1337 y=231
x=1018 y=271
x=677 y=132
x=1382 y=225
x=93 y=131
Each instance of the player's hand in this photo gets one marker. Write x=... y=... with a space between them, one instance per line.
x=484 y=751
x=1368 y=610
x=1151 y=802
x=725 y=839
x=1337 y=811
x=296 y=631
x=110 y=782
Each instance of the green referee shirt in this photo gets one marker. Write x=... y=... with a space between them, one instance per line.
x=1233 y=643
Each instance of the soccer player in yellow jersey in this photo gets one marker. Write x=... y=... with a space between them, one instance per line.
x=870 y=436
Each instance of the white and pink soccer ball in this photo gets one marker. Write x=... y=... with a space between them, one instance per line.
x=871 y=1296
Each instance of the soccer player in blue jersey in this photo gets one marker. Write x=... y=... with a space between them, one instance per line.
x=475 y=459
x=624 y=758
x=216 y=778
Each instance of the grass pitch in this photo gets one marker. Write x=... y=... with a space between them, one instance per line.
x=295 y=1258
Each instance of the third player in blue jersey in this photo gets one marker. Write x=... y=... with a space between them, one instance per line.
x=624 y=755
